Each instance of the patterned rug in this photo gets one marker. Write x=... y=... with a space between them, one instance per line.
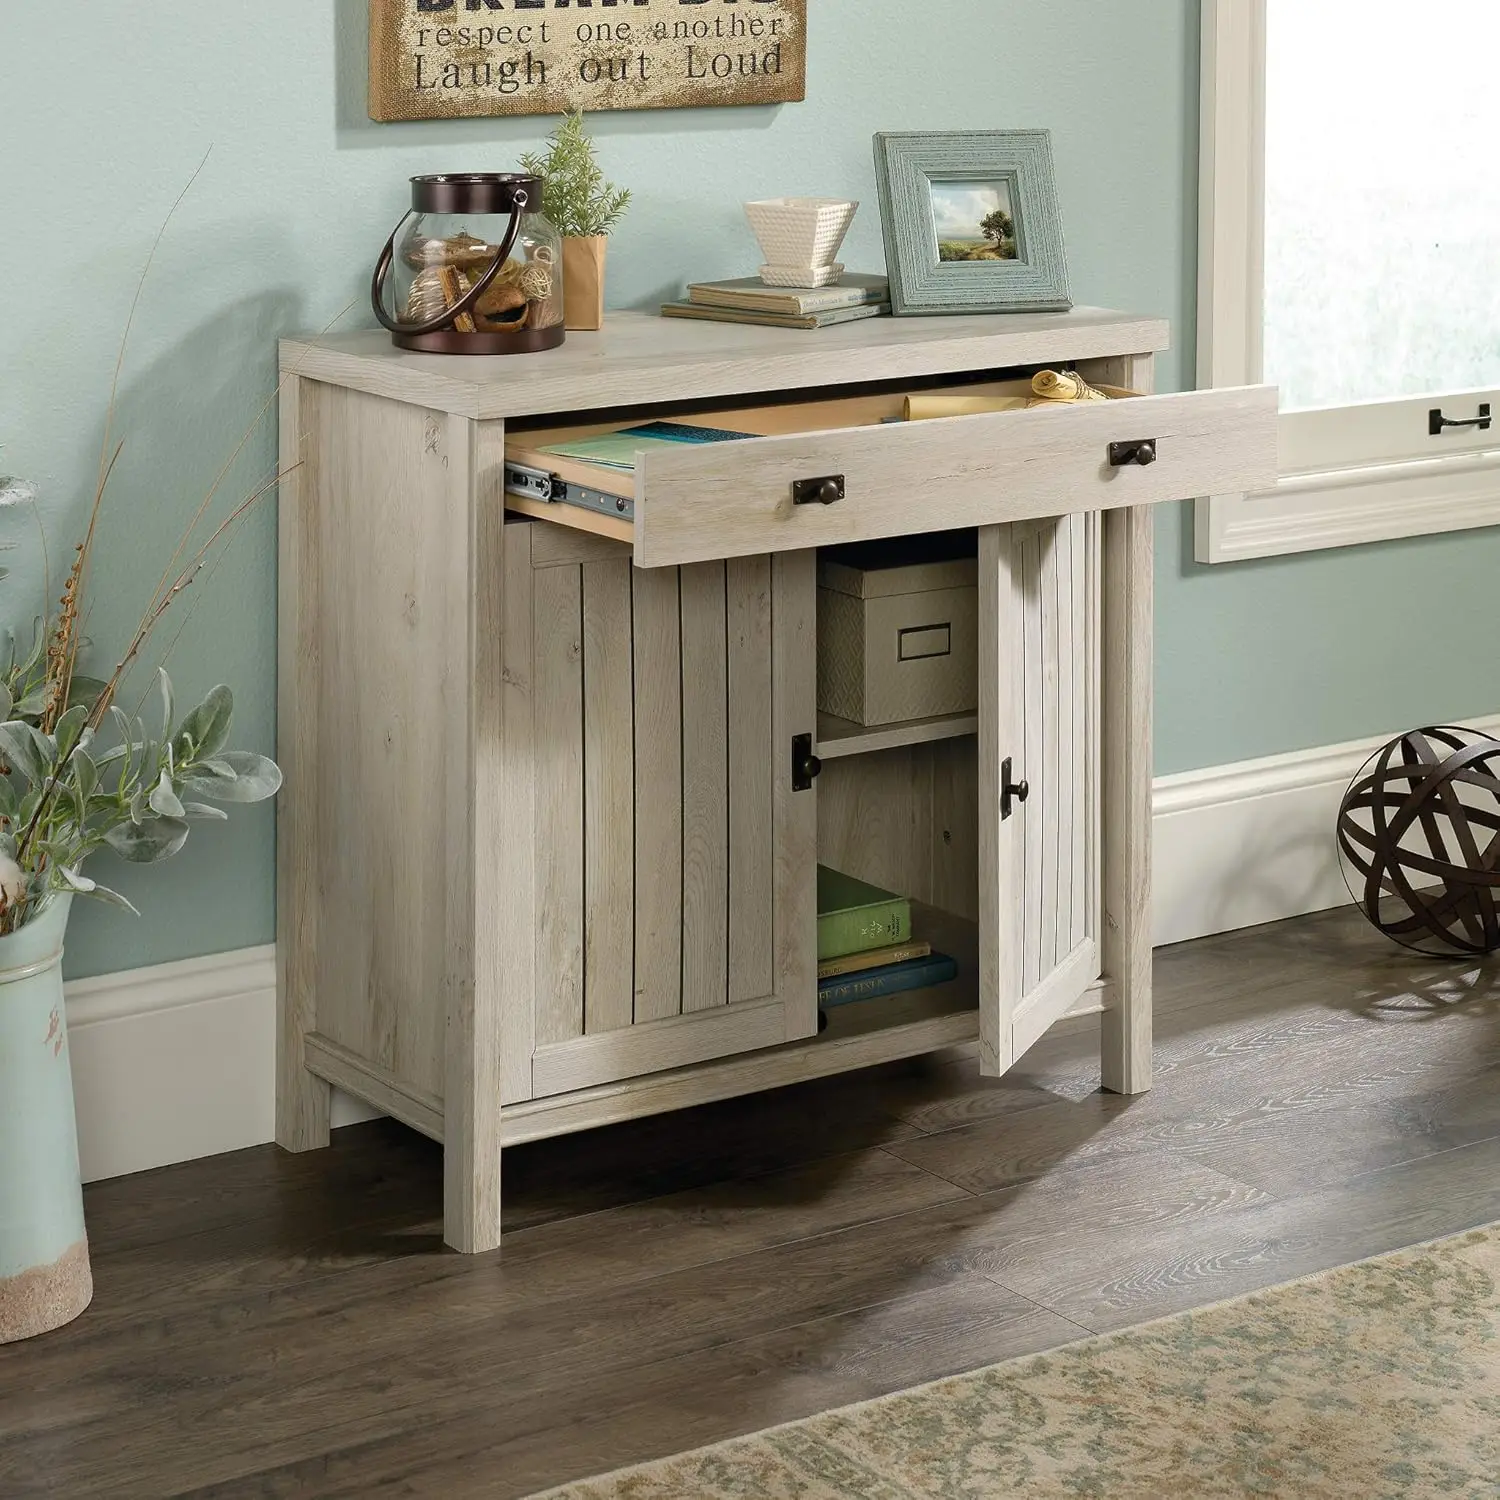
x=1380 y=1379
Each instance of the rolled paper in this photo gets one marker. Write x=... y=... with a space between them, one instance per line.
x=1055 y=386
x=1051 y=385
x=924 y=408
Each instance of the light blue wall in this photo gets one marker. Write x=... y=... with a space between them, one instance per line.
x=108 y=107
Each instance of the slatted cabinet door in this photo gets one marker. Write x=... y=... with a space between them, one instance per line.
x=1039 y=872
x=675 y=864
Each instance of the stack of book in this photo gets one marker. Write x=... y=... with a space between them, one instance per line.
x=865 y=943
x=749 y=300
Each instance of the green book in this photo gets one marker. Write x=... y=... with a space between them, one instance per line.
x=854 y=916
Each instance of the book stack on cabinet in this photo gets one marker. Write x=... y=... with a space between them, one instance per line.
x=748 y=299
x=866 y=946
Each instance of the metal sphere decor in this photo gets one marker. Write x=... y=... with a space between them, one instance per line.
x=1419 y=840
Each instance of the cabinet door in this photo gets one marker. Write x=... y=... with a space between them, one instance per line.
x=1039 y=874
x=675 y=862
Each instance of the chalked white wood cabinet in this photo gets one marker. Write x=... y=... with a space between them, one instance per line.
x=548 y=844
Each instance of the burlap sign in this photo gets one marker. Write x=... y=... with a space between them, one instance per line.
x=441 y=59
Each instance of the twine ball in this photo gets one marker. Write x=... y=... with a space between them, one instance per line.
x=1419 y=841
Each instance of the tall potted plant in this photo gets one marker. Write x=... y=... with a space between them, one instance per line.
x=78 y=773
x=585 y=209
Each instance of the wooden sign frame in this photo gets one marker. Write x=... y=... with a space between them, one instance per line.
x=454 y=59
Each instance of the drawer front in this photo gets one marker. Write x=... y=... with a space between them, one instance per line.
x=713 y=501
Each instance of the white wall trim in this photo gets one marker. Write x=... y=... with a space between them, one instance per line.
x=162 y=987
x=1253 y=842
x=177 y=1061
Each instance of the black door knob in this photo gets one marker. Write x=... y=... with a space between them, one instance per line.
x=829 y=492
x=1011 y=791
x=806 y=767
x=1146 y=454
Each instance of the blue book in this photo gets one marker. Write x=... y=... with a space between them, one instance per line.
x=890 y=979
x=617 y=450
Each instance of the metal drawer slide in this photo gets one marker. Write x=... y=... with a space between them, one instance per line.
x=539 y=484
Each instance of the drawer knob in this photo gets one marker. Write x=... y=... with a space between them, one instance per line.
x=1139 y=451
x=826 y=490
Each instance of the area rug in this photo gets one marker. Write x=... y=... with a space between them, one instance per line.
x=1379 y=1379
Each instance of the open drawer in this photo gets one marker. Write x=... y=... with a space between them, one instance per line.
x=817 y=473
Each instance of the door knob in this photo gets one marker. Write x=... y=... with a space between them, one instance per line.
x=806 y=767
x=1011 y=791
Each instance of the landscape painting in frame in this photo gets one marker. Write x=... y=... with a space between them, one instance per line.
x=973 y=221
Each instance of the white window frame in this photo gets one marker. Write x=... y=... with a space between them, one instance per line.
x=1361 y=473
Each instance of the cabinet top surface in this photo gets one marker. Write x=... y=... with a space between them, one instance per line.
x=641 y=358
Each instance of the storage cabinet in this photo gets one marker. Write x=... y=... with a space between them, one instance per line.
x=556 y=781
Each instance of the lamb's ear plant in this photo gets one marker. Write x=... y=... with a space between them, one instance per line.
x=576 y=197
x=65 y=797
x=77 y=772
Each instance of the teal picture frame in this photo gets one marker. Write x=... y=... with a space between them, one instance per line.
x=929 y=181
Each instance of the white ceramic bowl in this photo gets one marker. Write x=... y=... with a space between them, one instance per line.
x=801 y=231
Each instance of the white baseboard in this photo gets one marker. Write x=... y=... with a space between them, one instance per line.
x=1253 y=842
x=178 y=1061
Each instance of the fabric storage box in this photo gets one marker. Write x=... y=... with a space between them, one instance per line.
x=898 y=629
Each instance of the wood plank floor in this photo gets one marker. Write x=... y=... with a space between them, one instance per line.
x=275 y=1326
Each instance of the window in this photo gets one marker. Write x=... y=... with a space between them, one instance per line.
x=1350 y=254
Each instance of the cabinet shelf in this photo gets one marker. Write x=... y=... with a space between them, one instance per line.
x=839 y=737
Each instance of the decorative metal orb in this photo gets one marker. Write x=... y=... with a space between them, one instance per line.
x=1419 y=840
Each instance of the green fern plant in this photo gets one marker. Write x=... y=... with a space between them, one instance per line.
x=576 y=198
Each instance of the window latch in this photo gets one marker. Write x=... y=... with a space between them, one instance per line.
x=1437 y=423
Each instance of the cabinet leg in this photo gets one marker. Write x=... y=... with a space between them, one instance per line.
x=304 y=1102
x=1125 y=1056
x=471 y=1193
x=1125 y=1044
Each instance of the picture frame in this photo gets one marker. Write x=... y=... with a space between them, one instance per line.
x=972 y=222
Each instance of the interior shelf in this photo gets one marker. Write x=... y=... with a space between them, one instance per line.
x=838 y=737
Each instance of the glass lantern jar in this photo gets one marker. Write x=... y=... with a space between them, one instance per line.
x=478 y=270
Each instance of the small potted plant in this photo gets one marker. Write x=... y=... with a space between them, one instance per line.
x=585 y=208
